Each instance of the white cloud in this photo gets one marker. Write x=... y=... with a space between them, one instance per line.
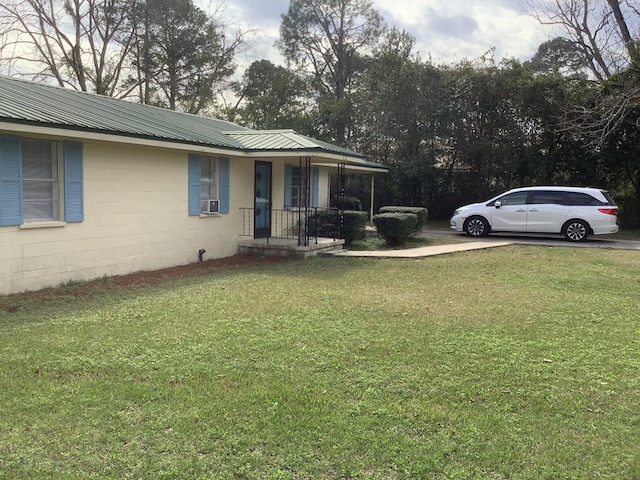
x=447 y=31
x=457 y=29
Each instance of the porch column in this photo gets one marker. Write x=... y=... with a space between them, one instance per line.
x=305 y=193
x=373 y=187
x=341 y=191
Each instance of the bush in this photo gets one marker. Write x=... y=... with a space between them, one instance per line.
x=324 y=223
x=395 y=228
x=347 y=203
x=419 y=212
x=629 y=212
x=354 y=223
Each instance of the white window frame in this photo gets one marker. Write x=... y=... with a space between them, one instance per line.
x=209 y=179
x=298 y=200
x=55 y=202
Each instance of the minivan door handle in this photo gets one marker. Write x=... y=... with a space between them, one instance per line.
x=521 y=210
x=533 y=209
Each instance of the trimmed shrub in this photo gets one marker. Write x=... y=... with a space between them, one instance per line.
x=395 y=228
x=420 y=212
x=325 y=224
x=354 y=223
x=347 y=203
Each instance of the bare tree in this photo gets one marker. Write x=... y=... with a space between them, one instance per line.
x=182 y=57
x=79 y=43
x=632 y=12
x=597 y=121
x=599 y=29
x=142 y=49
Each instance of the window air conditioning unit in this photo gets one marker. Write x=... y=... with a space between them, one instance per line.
x=211 y=206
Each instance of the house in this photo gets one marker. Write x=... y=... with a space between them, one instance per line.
x=92 y=186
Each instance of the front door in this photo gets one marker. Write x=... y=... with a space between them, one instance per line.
x=262 y=202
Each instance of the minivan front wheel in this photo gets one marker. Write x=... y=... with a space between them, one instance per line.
x=576 y=230
x=476 y=227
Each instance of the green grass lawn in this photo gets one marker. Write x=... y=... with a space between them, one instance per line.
x=510 y=363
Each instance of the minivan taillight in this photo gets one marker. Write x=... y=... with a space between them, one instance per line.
x=608 y=211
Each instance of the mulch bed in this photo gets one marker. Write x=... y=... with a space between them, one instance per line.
x=11 y=303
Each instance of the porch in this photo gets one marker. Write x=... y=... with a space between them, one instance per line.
x=291 y=233
x=287 y=247
x=306 y=221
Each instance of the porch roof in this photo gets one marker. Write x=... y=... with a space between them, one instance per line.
x=40 y=105
x=291 y=142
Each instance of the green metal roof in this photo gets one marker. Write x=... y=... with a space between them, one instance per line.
x=30 y=103
x=46 y=105
x=285 y=140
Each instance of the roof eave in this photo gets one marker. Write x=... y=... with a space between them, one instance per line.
x=322 y=156
x=356 y=168
x=115 y=137
x=303 y=152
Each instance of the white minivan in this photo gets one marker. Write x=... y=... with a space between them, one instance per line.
x=575 y=212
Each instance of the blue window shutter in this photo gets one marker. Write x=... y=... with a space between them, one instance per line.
x=10 y=181
x=73 y=182
x=223 y=165
x=288 y=173
x=194 y=185
x=316 y=186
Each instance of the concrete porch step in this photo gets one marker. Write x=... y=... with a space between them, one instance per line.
x=283 y=247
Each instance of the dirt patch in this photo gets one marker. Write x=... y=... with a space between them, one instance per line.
x=194 y=269
x=11 y=303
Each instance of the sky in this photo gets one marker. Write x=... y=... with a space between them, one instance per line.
x=447 y=31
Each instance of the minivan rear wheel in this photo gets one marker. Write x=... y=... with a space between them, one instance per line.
x=476 y=227
x=576 y=230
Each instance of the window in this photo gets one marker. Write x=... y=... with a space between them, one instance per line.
x=296 y=187
x=299 y=187
x=208 y=180
x=582 y=199
x=518 y=198
x=40 y=187
x=548 y=197
x=40 y=180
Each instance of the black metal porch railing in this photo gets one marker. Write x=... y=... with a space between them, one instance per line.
x=305 y=225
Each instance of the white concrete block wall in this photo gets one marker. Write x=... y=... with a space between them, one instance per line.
x=135 y=218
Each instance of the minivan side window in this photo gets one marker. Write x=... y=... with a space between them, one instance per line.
x=582 y=199
x=548 y=197
x=517 y=198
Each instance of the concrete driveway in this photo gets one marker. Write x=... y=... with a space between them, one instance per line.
x=601 y=241
x=461 y=242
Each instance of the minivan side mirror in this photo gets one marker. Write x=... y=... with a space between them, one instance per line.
x=497 y=204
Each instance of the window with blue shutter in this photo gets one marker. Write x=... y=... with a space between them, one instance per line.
x=73 y=182
x=29 y=183
x=296 y=186
x=208 y=180
x=10 y=181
